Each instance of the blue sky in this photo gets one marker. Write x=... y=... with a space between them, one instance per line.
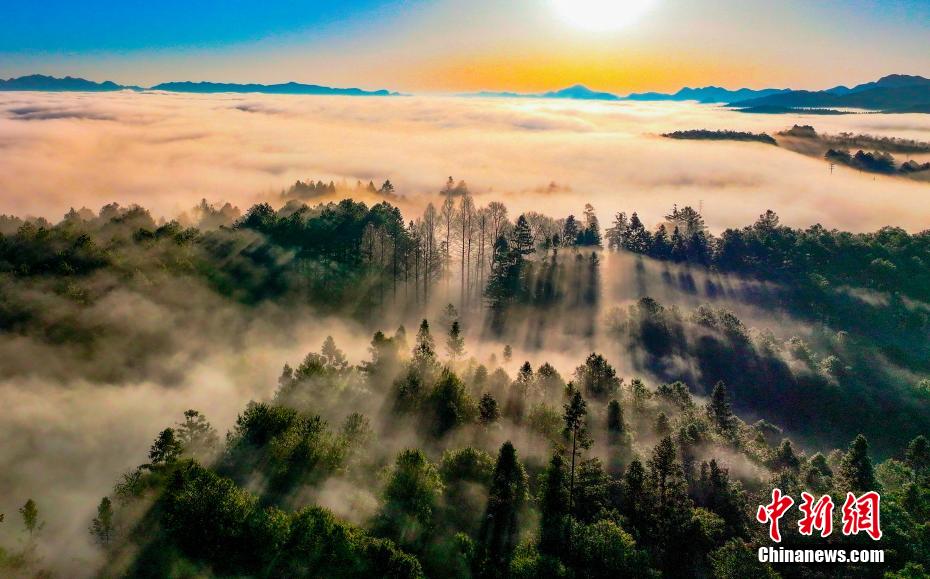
x=451 y=45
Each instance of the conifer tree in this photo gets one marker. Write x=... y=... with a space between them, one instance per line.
x=553 y=507
x=499 y=529
x=102 y=527
x=576 y=433
x=720 y=411
x=488 y=411
x=455 y=344
x=856 y=471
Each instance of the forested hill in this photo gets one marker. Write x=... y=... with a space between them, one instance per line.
x=561 y=400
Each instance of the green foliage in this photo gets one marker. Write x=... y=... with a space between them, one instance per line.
x=411 y=499
x=102 y=527
x=498 y=535
x=737 y=560
x=596 y=378
x=856 y=471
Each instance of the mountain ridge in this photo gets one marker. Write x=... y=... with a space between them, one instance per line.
x=891 y=93
x=45 y=83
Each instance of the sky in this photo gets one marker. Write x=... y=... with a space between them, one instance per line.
x=451 y=45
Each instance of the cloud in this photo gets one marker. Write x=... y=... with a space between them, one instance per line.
x=166 y=150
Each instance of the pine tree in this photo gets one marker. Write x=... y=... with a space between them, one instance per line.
x=597 y=377
x=166 y=449
x=577 y=433
x=522 y=237
x=918 y=456
x=424 y=352
x=616 y=234
x=499 y=530
x=553 y=524
x=637 y=502
x=570 y=232
x=30 y=514
x=856 y=472
x=638 y=240
x=488 y=411
x=335 y=358
x=196 y=435
x=455 y=345
x=615 y=424
x=102 y=527
x=720 y=410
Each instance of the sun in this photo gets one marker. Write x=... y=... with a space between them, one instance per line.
x=601 y=15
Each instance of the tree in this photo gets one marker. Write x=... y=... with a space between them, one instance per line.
x=662 y=425
x=856 y=471
x=410 y=500
x=488 y=411
x=785 y=458
x=455 y=344
x=597 y=378
x=603 y=550
x=674 y=524
x=918 y=456
x=451 y=404
x=637 y=238
x=637 y=502
x=424 y=352
x=616 y=234
x=577 y=432
x=521 y=238
x=570 y=232
x=553 y=506
x=167 y=448
x=592 y=491
x=719 y=409
x=615 y=424
x=591 y=234
x=196 y=435
x=499 y=531
x=449 y=315
x=508 y=353
x=102 y=527
x=30 y=514
x=335 y=358
x=737 y=560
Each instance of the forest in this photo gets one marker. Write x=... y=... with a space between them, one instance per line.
x=542 y=396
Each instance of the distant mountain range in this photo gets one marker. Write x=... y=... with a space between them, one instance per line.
x=893 y=93
x=38 y=82
x=286 y=88
x=707 y=94
x=41 y=82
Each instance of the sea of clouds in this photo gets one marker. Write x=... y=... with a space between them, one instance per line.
x=167 y=151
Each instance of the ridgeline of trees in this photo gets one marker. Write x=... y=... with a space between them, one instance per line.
x=847 y=141
x=708 y=135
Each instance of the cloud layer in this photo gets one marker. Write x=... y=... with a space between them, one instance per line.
x=166 y=151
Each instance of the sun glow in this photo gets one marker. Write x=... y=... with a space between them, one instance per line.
x=601 y=15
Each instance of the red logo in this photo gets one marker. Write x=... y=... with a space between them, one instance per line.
x=817 y=515
x=773 y=512
x=860 y=514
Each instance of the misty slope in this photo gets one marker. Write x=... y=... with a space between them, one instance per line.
x=805 y=328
